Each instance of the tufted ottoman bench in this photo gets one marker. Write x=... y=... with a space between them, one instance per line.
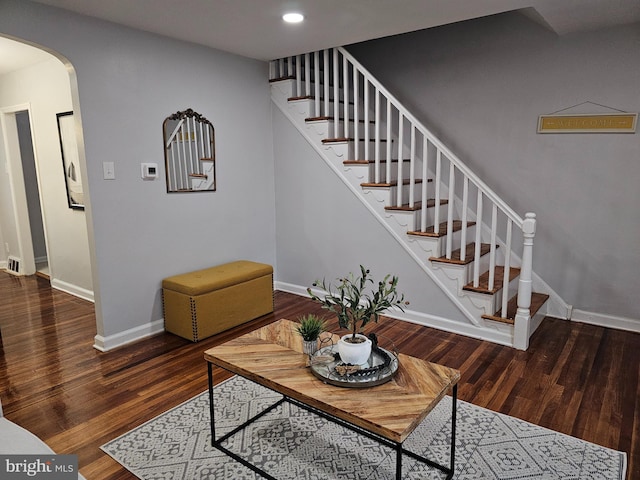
x=205 y=302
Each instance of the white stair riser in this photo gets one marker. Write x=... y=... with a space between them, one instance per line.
x=406 y=172
x=328 y=127
x=412 y=218
x=492 y=303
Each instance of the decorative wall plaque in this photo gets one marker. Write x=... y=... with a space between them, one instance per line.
x=588 y=123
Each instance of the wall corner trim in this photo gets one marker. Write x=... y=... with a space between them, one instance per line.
x=72 y=289
x=604 y=320
x=105 y=344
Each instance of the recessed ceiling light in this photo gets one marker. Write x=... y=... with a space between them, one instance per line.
x=293 y=17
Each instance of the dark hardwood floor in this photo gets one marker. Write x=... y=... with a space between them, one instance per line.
x=578 y=379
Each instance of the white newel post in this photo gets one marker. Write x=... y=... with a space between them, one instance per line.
x=523 y=314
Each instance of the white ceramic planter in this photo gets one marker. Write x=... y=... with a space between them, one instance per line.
x=354 y=353
x=309 y=347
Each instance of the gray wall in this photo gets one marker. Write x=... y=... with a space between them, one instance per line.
x=128 y=81
x=481 y=86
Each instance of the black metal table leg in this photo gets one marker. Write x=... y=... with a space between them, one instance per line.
x=454 y=397
x=212 y=420
x=399 y=461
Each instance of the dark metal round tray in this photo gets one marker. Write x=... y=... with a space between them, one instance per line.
x=375 y=372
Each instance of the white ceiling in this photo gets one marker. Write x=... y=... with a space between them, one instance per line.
x=15 y=55
x=253 y=28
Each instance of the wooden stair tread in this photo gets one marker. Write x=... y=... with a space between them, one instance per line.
x=206 y=159
x=416 y=206
x=371 y=162
x=330 y=118
x=394 y=183
x=302 y=97
x=537 y=300
x=469 y=253
x=483 y=283
x=280 y=79
x=317 y=119
x=345 y=139
x=198 y=175
x=442 y=231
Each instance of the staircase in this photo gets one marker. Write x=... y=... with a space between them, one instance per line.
x=468 y=240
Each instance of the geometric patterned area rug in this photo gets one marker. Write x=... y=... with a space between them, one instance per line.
x=292 y=443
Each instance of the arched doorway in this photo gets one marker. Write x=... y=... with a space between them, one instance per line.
x=36 y=89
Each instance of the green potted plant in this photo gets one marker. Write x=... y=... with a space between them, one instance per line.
x=356 y=307
x=310 y=327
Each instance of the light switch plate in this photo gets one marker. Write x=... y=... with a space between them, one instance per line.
x=108 y=171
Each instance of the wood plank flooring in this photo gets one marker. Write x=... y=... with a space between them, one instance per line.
x=578 y=379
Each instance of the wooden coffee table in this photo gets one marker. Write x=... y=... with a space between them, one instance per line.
x=272 y=356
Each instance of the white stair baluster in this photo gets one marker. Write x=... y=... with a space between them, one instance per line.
x=438 y=180
x=185 y=179
x=307 y=75
x=389 y=156
x=377 y=136
x=425 y=183
x=507 y=268
x=367 y=134
x=356 y=115
x=492 y=254
x=465 y=207
x=298 y=92
x=412 y=168
x=478 y=242
x=400 y=143
x=450 y=209
x=336 y=94
x=174 y=177
x=196 y=144
x=326 y=77
x=345 y=94
x=316 y=83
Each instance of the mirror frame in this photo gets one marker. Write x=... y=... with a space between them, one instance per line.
x=185 y=159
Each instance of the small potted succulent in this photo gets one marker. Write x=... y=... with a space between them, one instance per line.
x=310 y=327
x=356 y=307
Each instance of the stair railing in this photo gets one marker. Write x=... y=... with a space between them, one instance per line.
x=343 y=91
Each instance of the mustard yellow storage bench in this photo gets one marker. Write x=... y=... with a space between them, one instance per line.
x=205 y=302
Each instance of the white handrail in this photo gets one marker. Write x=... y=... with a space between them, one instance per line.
x=488 y=192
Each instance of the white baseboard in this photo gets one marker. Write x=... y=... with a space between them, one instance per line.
x=104 y=344
x=72 y=289
x=609 y=321
x=3 y=265
x=440 y=323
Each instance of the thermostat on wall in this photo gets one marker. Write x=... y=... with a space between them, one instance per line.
x=149 y=171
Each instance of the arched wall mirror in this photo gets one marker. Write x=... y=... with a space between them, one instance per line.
x=189 y=152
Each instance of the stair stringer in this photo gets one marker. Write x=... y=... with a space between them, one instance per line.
x=454 y=277
x=334 y=155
